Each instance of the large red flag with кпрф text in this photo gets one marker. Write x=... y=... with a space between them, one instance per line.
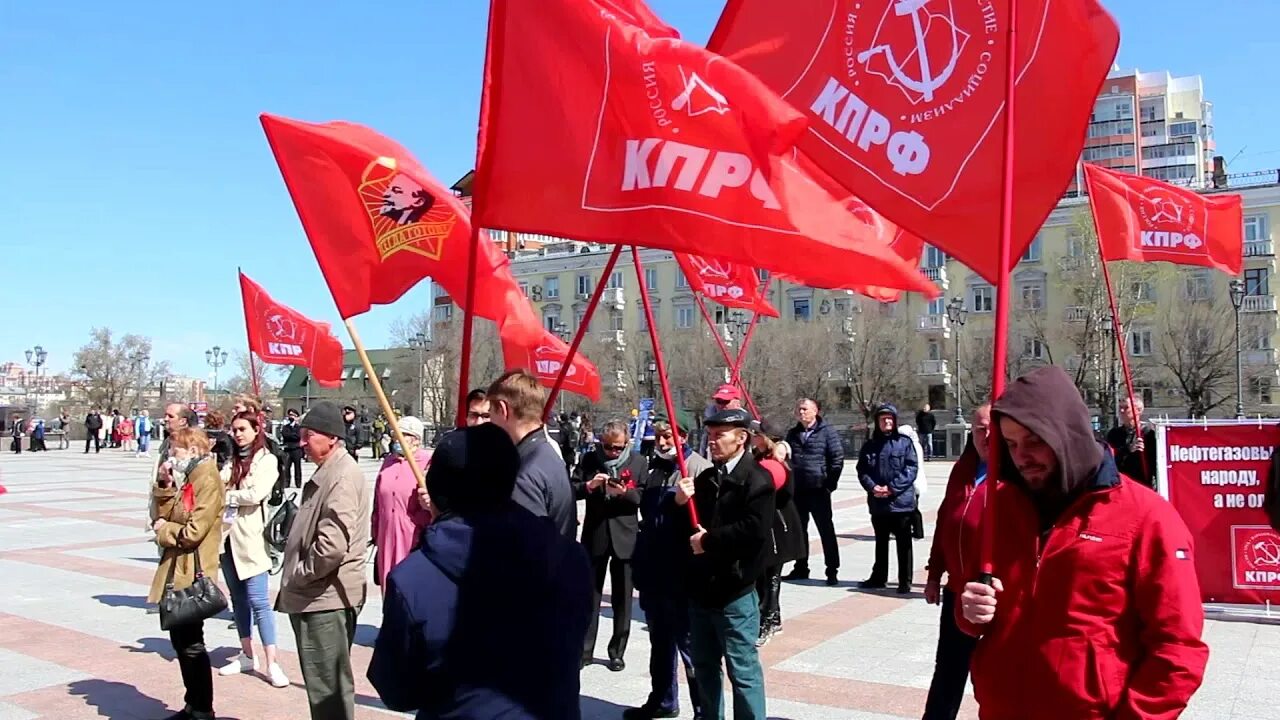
x=281 y=335
x=1145 y=220
x=655 y=142
x=730 y=284
x=379 y=223
x=545 y=358
x=906 y=102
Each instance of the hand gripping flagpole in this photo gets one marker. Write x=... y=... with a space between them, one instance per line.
x=734 y=371
x=1118 y=337
x=1000 y=352
x=662 y=377
x=384 y=403
x=581 y=332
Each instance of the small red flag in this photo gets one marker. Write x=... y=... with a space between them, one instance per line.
x=545 y=359
x=379 y=223
x=730 y=284
x=1145 y=220
x=906 y=100
x=656 y=142
x=281 y=335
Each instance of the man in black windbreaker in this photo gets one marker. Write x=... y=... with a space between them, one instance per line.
x=735 y=504
x=291 y=439
x=817 y=458
x=1129 y=446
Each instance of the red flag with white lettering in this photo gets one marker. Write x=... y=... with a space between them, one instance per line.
x=280 y=335
x=379 y=223
x=1145 y=220
x=730 y=284
x=906 y=100
x=545 y=359
x=656 y=142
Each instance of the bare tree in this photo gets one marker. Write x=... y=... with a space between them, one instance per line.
x=242 y=382
x=878 y=360
x=114 y=373
x=1197 y=346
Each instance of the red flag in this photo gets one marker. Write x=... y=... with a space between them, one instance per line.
x=545 y=358
x=1146 y=220
x=283 y=336
x=379 y=223
x=730 y=284
x=653 y=141
x=906 y=99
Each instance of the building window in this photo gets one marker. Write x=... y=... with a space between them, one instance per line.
x=682 y=282
x=642 y=320
x=1034 y=349
x=933 y=257
x=1255 y=282
x=1144 y=394
x=684 y=316
x=579 y=314
x=935 y=350
x=615 y=280
x=1075 y=243
x=1033 y=251
x=762 y=274
x=550 y=321
x=615 y=321
x=1140 y=343
x=800 y=308
x=1255 y=228
x=982 y=299
x=1142 y=291
x=551 y=287
x=1181 y=129
x=524 y=288
x=1198 y=285
x=444 y=312
x=938 y=306
x=1031 y=295
x=584 y=285
x=651 y=279
x=1261 y=387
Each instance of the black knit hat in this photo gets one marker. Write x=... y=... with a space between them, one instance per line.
x=473 y=469
x=325 y=417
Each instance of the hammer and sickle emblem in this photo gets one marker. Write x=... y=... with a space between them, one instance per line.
x=928 y=82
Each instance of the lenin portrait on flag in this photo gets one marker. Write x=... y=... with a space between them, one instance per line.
x=405 y=201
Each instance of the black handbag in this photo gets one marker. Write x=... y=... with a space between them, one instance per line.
x=191 y=605
x=917 y=524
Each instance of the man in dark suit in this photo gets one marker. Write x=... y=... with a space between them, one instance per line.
x=735 y=503
x=92 y=424
x=609 y=479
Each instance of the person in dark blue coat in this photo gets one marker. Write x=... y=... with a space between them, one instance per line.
x=817 y=459
x=453 y=643
x=887 y=469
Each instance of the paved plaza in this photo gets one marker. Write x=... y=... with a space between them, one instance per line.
x=76 y=642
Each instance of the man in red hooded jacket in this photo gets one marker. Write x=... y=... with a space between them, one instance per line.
x=959 y=518
x=1095 y=613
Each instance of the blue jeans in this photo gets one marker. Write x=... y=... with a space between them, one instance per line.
x=250 y=595
x=144 y=443
x=668 y=620
x=729 y=633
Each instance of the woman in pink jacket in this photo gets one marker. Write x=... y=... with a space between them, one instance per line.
x=399 y=509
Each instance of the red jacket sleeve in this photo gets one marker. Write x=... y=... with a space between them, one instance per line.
x=937 y=560
x=1166 y=596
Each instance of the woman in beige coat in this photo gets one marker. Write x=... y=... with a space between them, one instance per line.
x=188 y=533
x=245 y=563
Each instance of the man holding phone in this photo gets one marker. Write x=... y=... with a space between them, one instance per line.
x=609 y=479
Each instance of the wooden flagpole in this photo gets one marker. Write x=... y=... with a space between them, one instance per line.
x=387 y=410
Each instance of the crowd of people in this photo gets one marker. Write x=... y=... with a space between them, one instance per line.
x=1094 y=611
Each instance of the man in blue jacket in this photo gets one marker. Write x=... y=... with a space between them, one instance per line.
x=817 y=458
x=887 y=469
x=453 y=643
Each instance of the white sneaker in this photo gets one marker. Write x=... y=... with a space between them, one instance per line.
x=239 y=664
x=277 y=676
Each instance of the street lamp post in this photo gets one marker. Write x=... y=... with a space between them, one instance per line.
x=216 y=357
x=37 y=357
x=1108 y=330
x=1237 y=289
x=651 y=374
x=421 y=342
x=956 y=313
x=137 y=361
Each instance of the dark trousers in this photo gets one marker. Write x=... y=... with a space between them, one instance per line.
x=193 y=661
x=16 y=445
x=620 y=594
x=950 y=664
x=92 y=437
x=668 y=620
x=899 y=526
x=293 y=465
x=324 y=653
x=769 y=588
x=817 y=502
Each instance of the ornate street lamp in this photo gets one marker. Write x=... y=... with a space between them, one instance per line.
x=1237 y=291
x=216 y=357
x=956 y=313
x=422 y=343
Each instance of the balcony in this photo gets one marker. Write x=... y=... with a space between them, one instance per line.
x=1075 y=264
x=1257 y=358
x=934 y=368
x=936 y=275
x=1260 y=248
x=934 y=324
x=615 y=338
x=1075 y=314
x=614 y=299
x=1259 y=303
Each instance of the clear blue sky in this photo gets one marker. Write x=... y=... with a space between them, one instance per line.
x=134 y=176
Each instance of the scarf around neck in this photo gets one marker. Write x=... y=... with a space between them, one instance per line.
x=612 y=465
